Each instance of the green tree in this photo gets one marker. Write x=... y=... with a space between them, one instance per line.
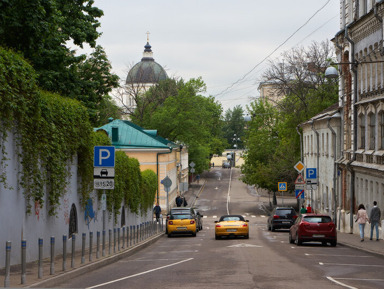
x=41 y=31
x=187 y=117
x=233 y=128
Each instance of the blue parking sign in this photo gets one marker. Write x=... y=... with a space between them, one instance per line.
x=311 y=173
x=104 y=156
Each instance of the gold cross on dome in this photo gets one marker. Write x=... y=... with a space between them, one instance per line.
x=148 y=36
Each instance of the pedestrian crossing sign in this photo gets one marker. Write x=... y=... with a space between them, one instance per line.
x=282 y=186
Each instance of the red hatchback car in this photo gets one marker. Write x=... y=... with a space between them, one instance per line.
x=313 y=228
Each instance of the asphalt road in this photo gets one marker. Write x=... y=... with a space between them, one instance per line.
x=265 y=260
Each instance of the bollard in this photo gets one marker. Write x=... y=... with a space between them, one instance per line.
x=114 y=240
x=90 y=245
x=52 y=268
x=64 y=252
x=138 y=232
x=110 y=242
x=103 y=246
x=97 y=245
x=23 y=261
x=118 y=239
x=130 y=237
x=73 y=251
x=40 y=270
x=127 y=236
x=8 y=246
x=83 y=248
x=123 y=238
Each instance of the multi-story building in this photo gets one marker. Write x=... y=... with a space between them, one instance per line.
x=360 y=57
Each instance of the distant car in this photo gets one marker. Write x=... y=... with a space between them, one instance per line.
x=184 y=211
x=281 y=218
x=181 y=224
x=313 y=228
x=104 y=172
x=231 y=225
x=226 y=165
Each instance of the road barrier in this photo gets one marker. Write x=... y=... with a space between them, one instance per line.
x=131 y=236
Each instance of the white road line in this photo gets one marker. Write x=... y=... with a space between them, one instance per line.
x=330 y=255
x=339 y=283
x=139 y=274
x=229 y=190
x=359 y=279
x=204 y=217
x=356 y=265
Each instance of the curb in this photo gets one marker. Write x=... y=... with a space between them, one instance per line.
x=62 y=277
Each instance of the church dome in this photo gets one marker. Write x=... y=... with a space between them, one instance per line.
x=147 y=70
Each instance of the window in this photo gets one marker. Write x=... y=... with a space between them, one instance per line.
x=372 y=135
x=381 y=129
x=362 y=131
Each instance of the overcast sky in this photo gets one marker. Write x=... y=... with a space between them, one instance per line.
x=219 y=40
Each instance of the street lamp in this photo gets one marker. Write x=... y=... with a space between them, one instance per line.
x=235 y=139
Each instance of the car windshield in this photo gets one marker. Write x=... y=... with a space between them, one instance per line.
x=182 y=211
x=285 y=212
x=231 y=218
x=181 y=216
x=318 y=219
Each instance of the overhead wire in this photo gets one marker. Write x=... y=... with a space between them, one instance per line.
x=270 y=54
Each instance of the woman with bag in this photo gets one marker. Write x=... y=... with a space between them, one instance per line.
x=361 y=219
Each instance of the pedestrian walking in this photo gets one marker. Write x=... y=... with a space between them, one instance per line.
x=179 y=201
x=157 y=211
x=374 y=219
x=309 y=209
x=185 y=202
x=361 y=219
x=303 y=210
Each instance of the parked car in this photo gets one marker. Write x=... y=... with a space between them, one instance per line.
x=181 y=224
x=313 y=228
x=226 y=165
x=231 y=225
x=281 y=218
x=199 y=219
x=184 y=211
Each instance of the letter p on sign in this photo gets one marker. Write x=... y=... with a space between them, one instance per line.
x=104 y=156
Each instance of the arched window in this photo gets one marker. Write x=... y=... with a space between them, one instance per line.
x=72 y=221
x=372 y=135
x=362 y=131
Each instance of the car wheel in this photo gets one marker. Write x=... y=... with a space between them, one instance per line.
x=324 y=243
x=246 y=236
x=333 y=243
x=217 y=237
x=268 y=227
x=291 y=239
x=298 y=241
x=272 y=228
x=169 y=235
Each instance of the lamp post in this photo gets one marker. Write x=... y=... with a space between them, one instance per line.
x=235 y=139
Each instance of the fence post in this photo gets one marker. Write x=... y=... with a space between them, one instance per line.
x=83 y=236
x=114 y=240
x=110 y=242
x=98 y=245
x=103 y=249
x=64 y=252
x=23 y=261
x=8 y=246
x=52 y=269
x=73 y=251
x=123 y=238
x=90 y=245
x=40 y=270
x=118 y=239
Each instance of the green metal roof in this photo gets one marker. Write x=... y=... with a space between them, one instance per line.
x=126 y=134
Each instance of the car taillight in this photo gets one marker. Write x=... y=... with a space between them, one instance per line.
x=276 y=217
x=218 y=225
x=192 y=222
x=168 y=217
x=245 y=225
x=170 y=222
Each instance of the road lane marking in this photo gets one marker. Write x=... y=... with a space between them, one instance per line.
x=139 y=274
x=229 y=190
x=356 y=265
x=339 y=283
x=244 y=246
x=329 y=255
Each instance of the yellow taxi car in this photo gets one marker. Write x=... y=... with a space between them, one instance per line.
x=231 y=225
x=181 y=224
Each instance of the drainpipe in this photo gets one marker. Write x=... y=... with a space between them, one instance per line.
x=301 y=143
x=354 y=70
x=318 y=155
x=334 y=170
x=157 y=169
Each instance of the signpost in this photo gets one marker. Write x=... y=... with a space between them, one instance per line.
x=299 y=194
x=311 y=179
x=167 y=183
x=299 y=166
x=282 y=188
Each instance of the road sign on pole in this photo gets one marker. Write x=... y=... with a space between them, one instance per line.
x=299 y=166
x=104 y=156
x=299 y=180
x=311 y=173
x=282 y=186
x=299 y=194
x=104 y=168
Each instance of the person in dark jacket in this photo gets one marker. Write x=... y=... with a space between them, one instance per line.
x=185 y=202
x=374 y=219
x=179 y=201
x=157 y=211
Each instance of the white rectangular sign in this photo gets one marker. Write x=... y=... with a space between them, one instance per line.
x=106 y=173
x=103 y=184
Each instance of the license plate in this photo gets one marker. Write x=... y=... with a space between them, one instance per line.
x=231 y=230
x=181 y=228
x=286 y=222
x=318 y=236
